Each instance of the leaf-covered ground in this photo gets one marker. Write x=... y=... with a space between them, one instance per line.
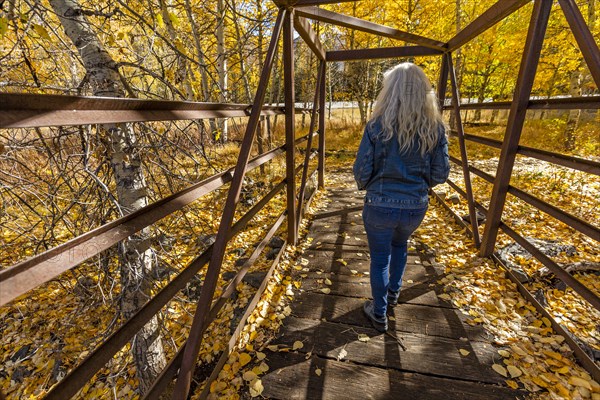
x=531 y=355
x=55 y=327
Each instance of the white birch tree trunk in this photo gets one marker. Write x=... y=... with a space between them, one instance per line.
x=136 y=260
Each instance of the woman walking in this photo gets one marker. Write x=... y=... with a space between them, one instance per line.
x=403 y=153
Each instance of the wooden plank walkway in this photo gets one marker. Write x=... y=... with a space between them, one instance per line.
x=335 y=364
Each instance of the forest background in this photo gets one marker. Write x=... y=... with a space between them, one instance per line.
x=58 y=183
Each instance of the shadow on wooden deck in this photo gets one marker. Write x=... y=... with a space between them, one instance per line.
x=418 y=358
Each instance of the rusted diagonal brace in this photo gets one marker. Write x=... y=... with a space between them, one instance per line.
x=170 y=370
x=516 y=119
x=583 y=358
x=310 y=36
x=192 y=347
x=290 y=124
x=36 y=270
x=313 y=123
x=321 y=162
x=584 y=37
x=69 y=386
x=463 y=149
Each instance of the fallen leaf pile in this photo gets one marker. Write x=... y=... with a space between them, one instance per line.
x=247 y=362
x=576 y=193
x=51 y=329
x=531 y=355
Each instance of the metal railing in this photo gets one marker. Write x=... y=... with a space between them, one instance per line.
x=34 y=111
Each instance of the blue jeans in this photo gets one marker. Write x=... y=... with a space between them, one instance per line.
x=388 y=230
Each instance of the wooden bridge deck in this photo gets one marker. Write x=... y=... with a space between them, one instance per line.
x=335 y=364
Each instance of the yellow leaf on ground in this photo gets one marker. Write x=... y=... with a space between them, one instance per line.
x=504 y=353
x=256 y=388
x=297 y=345
x=464 y=352
x=363 y=338
x=318 y=371
x=512 y=384
x=325 y=290
x=500 y=369
x=514 y=371
x=244 y=359
x=249 y=376
x=444 y=296
x=576 y=381
x=263 y=367
x=260 y=356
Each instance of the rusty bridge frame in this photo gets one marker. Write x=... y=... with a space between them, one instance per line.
x=29 y=110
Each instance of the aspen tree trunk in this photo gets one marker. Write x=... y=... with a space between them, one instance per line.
x=261 y=126
x=222 y=65
x=181 y=74
x=201 y=60
x=574 y=115
x=576 y=88
x=136 y=260
x=457 y=57
x=240 y=50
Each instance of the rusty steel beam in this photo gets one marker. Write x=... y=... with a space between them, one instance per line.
x=577 y=163
x=561 y=215
x=243 y=320
x=580 y=354
x=307 y=154
x=310 y=37
x=570 y=220
x=556 y=269
x=36 y=119
x=48 y=102
x=188 y=363
x=290 y=125
x=567 y=103
x=69 y=386
x=583 y=36
x=516 y=119
x=442 y=82
x=32 y=110
x=585 y=360
x=322 y=101
x=36 y=270
x=489 y=18
x=383 y=52
x=304 y=3
x=346 y=21
x=463 y=149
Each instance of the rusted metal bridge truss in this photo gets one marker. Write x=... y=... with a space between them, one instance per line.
x=26 y=110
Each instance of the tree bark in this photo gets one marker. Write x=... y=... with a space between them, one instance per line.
x=136 y=261
x=222 y=67
x=181 y=74
x=457 y=57
x=576 y=88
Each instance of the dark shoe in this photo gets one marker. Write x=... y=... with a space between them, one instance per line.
x=392 y=298
x=379 y=323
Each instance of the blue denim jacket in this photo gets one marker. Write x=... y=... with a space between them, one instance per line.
x=394 y=179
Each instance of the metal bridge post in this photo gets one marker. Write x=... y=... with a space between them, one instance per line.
x=584 y=37
x=463 y=149
x=322 y=99
x=308 y=153
x=290 y=129
x=516 y=119
x=443 y=82
x=190 y=354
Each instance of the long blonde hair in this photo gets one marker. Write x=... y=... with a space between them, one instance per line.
x=408 y=108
